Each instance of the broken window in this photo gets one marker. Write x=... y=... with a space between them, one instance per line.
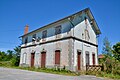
x=44 y=34
x=26 y=40
x=34 y=37
x=57 y=30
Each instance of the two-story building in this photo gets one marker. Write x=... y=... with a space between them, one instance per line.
x=69 y=43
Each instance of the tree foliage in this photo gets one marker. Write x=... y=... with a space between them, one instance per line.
x=107 y=50
x=16 y=58
x=116 y=51
x=12 y=56
x=3 y=56
x=111 y=61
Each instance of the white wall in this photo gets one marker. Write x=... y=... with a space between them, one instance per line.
x=79 y=29
x=83 y=47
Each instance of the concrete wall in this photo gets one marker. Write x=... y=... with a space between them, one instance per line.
x=83 y=47
x=79 y=31
x=50 y=48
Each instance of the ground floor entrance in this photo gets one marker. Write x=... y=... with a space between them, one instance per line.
x=43 y=59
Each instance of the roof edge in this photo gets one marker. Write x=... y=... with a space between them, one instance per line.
x=86 y=9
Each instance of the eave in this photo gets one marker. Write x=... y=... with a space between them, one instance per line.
x=84 y=10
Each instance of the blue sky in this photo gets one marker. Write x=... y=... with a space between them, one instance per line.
x=15 y=14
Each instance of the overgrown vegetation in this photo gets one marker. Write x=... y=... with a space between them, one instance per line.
x=10 y=58
x=111 y=60
x=103 y=74
x=53 y=71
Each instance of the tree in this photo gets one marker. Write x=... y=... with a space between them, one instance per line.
x=116 y=51
x=3 y=56
x=16 y=59
x=107 y=50
x=10 y=54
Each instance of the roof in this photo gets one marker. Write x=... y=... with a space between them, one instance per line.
x=84 y=10
x=101 y=56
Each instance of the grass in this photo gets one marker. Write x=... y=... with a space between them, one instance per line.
x=5 y=63
x=104 y=74
x=46 y=70
x=53 y=71
x=61 y=71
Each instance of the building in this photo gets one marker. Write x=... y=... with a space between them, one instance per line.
x=69 y=43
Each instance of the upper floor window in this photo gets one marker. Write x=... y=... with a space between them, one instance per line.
x=57 y=30
x=26 y=40
x=34 y=37
x=44 y=34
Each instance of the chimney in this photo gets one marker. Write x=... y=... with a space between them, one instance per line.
x=26 y=29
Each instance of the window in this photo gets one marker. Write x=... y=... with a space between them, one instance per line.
x=44 y=34
x=57 y=30
x=24 y=57
x=87 y=36
x=85 y=17
x=87 y=58
x=34 y=37
x=26 y=40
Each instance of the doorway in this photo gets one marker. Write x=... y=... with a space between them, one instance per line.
x=32 y=59
x=57 y=57
x=79 y=60
x=93 y=58
x=43 y=59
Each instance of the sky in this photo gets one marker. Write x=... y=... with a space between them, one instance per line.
x=15 y=14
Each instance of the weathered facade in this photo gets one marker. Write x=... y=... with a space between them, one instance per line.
x=69 y=43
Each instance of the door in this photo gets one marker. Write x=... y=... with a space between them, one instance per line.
x=57 y=57
x=32 y=59
x=43 y=59
x=93 y=58
x=78 y=60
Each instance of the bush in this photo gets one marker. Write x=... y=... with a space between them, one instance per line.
x=5 y=63
x=13 y=61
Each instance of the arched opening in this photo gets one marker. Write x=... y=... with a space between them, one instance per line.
x=57 y=57
x=43 y=59
x=79 y=60
x=32 y=59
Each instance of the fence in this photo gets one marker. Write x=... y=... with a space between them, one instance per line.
x=94 y=68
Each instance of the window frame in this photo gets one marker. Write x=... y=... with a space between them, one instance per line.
x=58 y=30
x=34 y=36
x=44 y=34
x=24 y=58
x=87 y=57
x=26 y=40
